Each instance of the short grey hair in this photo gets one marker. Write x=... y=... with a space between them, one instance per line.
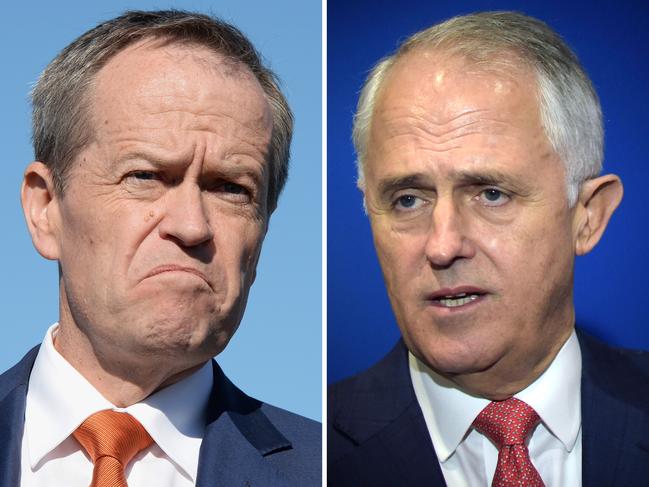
x=569 y=107
x=61 y=106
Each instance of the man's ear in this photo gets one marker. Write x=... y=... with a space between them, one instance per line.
x=598 y=199
x=40 y=209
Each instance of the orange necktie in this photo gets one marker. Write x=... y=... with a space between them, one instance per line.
x=111 y=439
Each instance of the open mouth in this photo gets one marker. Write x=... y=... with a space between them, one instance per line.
x=456 y=298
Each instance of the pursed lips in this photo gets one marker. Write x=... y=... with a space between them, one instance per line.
x=178 y=268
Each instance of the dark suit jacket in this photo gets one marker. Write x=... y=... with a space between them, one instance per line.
x=246 y=442
x=377 y=435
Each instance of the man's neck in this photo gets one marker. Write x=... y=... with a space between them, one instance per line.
x=121 y=380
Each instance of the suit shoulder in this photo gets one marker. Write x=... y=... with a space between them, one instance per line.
x=622 y=373
x=633 y=361
x=294 y=425
x=18 y=374
x=375 y=375
x=388 y=375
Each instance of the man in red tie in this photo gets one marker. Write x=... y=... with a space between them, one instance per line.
x=479 y=147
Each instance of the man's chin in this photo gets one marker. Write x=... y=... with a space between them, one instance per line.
x=454 y=369
x=451 y=359
x=180 y=336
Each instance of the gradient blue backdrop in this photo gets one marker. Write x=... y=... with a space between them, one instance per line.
x=612 y=287
x=276 y=354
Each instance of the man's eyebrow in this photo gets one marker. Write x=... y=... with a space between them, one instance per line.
x=224 y=167
x=149 y=157
x=463 y=178
x=390 y=185
x=491 y=178
x=237 y=171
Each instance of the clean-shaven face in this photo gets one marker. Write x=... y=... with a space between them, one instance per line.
x=468 y=207
x=165 y=212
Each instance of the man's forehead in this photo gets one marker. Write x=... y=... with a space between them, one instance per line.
x=153 y=75
x=442 y=99
x=444 y=118
x=422 y=75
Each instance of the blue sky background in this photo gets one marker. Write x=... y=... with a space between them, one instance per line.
x=276 y=354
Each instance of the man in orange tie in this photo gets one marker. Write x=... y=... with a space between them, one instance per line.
x=479 y=147
x=162 y=145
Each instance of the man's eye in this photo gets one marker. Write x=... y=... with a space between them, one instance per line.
x=234 y=188
x=234 y=192
x=408 y=202
x=143 y=175
x=493 y=197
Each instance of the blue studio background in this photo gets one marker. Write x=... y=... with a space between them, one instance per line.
x=611 y=283
x=276 y=353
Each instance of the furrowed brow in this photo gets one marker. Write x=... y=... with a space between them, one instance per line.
x=390 y=185
x=151 y=158
x=237 y=171
x=491 y=178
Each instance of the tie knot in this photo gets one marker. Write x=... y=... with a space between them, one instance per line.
x=112 y=434
x=507 y=422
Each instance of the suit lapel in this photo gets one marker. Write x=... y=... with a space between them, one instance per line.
x=12 y=419
x=13 y=394
x=406 y=448
x=238 y=439
x=615 y=416
x=379 y=412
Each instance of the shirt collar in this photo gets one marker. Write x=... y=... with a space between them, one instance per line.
x=556 y=394
x=53 y=411
x=450 y=412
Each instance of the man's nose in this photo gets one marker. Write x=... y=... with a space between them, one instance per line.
x=186 y=219
x=447 y=236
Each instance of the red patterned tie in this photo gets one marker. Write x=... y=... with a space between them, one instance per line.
x=111 y=439
x=508 y=424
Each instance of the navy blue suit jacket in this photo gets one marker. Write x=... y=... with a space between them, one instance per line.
x=377 y=435
x=246 y=442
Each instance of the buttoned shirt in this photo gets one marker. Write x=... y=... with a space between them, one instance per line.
x=59 y=399
x=468 y=458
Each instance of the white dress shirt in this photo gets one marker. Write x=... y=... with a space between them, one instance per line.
x=59 y=399
x=468 y=458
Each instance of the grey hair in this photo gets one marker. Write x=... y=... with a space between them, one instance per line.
x=569 y=107
x=61 y=106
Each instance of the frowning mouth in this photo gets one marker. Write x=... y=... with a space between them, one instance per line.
x=177 y=268
x=456 y=297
